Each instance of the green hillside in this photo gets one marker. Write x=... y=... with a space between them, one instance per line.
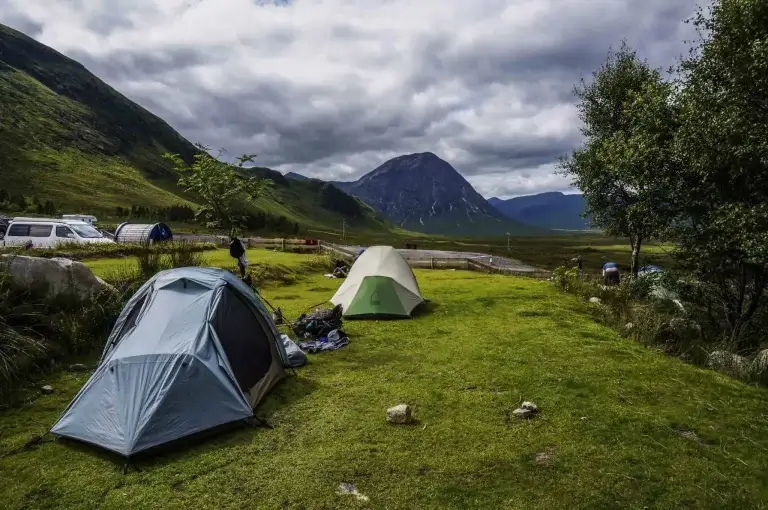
x=69 y=138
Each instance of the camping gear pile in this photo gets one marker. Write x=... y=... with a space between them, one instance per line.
x=321 y=329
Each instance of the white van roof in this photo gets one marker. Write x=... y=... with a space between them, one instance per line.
x=23 y=219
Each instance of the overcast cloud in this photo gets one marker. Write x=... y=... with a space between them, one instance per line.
x=333 y=88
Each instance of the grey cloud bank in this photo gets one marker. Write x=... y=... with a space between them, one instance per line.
x=333 y=88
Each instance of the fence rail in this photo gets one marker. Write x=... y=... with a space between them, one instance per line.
x=343 y=252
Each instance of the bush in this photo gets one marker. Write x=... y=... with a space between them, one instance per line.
x=669 y=311
x=184 y=254
x=77 y=251
x=37 y=332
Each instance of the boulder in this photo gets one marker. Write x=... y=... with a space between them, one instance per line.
x=47 y=389
x=54 y=277
x=530 y=406
x=399 y=414
x=760 y=364
x=727 y=362
x=594 y=300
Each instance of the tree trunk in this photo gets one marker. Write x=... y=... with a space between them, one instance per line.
x=635 y=259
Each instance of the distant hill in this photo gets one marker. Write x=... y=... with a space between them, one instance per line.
x=553 y=210
x=69 y=138
x=424 y=193
x=295 y=176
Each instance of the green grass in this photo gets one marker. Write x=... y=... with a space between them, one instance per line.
x=616 y=430
x=104 y=267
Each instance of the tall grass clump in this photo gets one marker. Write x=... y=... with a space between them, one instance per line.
x=183 y=254
x=37 y=332
x=78 y=251
x=20 y=343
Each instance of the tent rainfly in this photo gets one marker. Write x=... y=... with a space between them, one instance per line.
x=380 y=284
x=193 y=349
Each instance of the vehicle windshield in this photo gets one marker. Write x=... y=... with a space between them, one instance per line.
x=86 y=231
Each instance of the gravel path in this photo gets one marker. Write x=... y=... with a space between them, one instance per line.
x=493 y=260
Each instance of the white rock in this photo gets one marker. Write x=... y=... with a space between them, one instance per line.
x=348 y=488
x=399 y=414
x=595 y=300
x=760 y=363
x=47 y=389
x=522 y=413
x=530 y=406
x=628 y=326
x=55 y=276
x=727 y=362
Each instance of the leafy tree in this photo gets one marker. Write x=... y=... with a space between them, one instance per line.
x=49 y=208
x=721 y=192
x=222 y=187
x=629 y=122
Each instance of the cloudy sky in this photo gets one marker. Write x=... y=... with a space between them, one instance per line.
x=333 y=88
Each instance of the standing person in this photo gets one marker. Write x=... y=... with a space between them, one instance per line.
x=611 y=273
x=237 y=251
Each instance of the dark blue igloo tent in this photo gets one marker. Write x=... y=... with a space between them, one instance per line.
x=143 y=233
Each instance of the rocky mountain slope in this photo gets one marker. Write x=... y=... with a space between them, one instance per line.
x=424 y=193
x=69 y=138
x=553 y=210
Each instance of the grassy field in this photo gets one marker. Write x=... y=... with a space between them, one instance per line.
x=105 y=267
x=621 y=426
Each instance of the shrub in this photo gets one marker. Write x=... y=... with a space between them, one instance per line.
x=183 y=254
x=77 y=251
x=566 y=279
x=669 y=311
x=36 y=332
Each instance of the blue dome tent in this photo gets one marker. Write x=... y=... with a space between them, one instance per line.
x=143 y=233
x=193 y=349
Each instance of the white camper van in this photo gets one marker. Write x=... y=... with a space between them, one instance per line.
x=86 y=218
x=48 y=233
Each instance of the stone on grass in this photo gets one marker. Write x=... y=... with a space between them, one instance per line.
x=47 y=389
x=349 y=489
x=54 y=277
x=522 y=413
x=760 y=364
x=530 y=406
x=77 y=367
x=399 y=414
x=729 y=363
x=595 y=300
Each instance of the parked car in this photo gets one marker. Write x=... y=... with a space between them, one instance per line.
x=48 y=233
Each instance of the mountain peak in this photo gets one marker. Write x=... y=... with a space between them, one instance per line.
x=423 y=192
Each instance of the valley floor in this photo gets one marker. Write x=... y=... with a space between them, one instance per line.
x=621 y=426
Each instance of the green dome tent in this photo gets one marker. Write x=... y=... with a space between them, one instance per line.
x=380 y=284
